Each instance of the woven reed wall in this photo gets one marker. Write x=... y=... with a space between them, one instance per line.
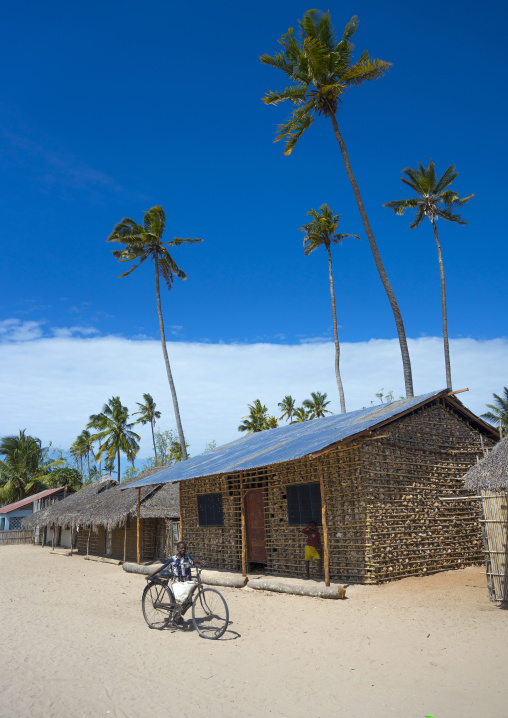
x=90 y=538
x=385 y=519
x=495 y=535
x=411 y=532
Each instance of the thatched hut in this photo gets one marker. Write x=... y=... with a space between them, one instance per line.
x=58 y=524
x=375 y=477
x=130 y=525
x=489 y=479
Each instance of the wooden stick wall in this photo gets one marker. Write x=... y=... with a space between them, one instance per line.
x=384 y=516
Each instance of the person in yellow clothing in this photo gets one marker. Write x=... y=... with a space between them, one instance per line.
x=311 y=549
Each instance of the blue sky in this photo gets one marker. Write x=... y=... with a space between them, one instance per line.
x=109 y=108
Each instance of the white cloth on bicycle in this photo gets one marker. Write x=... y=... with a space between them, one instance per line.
x=182 y=590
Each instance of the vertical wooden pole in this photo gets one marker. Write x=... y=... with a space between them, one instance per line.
x=180 y=534
x=71 y=539
x=138 y=532
x=325 y=525
x=125 y=541
x=53 y=538
x=244 y=528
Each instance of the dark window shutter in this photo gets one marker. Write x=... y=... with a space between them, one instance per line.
x=304 y=504
x=210 y=510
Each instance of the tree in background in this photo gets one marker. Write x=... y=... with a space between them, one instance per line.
x=144 y=242
x=64 y=476
x=148 y=416
x=435 y=199
x=316 y=405
x=299 y=415
x=25 y=467
x=287 y=407
x=498 y=414
x=321 y=70
x=257 y=419
x=322 y=232
x=82 y=448
x=169 y=451
x=117 y=433
x=211 y=446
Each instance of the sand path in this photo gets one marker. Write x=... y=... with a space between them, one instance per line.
x=75 y=645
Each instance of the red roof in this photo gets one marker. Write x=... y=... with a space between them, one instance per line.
x=28 y=500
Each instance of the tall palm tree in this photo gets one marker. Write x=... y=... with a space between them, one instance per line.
x=434 y=200
x=25 y=467
x=499 y=412
x=78 y=451
x=322 y=232
x=82 y=448
x=321 y=70
x=148 y=416
x=98 y=423
x=142 y=242
x=287 y=407
x=117 y=433
x=316 y=405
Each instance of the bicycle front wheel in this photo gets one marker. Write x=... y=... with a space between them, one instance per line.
x=210 y=613
x=153 y=596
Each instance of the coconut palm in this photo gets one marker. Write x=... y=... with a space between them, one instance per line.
x=322 y=232
x=24 y=468
x=257 y=419
x=117 y=433
x=316 y=405
x=144 y=242
x=148 y=416
x=499 y=412
x=434 y=199
x=321 y=70
x=98 y=423
x=82 y=448
x=299 y=415
x=287 y=407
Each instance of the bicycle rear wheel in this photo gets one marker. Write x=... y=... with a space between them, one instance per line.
x=154 y=595
x=210 y=613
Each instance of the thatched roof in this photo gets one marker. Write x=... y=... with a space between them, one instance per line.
x=491 y=473
x=117 y=505
x=94 y=506
x=70 y=509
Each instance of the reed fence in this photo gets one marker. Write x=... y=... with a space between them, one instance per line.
x=16 y=537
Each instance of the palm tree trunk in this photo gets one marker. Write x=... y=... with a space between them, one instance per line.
x=406 y=362
x=168 y=368
x=118 y=461
x=335 y=335
x=153 y=439
x=443 y=306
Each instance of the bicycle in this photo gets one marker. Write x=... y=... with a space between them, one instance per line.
x=210 y=613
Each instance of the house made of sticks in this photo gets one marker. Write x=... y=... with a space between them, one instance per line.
x=373 y=479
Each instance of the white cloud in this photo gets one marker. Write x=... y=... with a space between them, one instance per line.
x=64 y=332
x=52 y=385
x=14 y=330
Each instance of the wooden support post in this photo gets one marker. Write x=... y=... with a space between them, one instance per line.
x=180 y=533
x=138 y=528
x=88 y=540
x=244 y=528
x=125 y=541
x=71 y=539
x=326 y=558
x=53 y=538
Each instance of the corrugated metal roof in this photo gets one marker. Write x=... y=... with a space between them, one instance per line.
x=285 y=443
x=29 y=499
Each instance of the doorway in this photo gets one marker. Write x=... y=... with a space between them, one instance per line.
x=255 y=526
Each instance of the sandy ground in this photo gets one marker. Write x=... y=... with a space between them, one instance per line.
x=74 y=644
